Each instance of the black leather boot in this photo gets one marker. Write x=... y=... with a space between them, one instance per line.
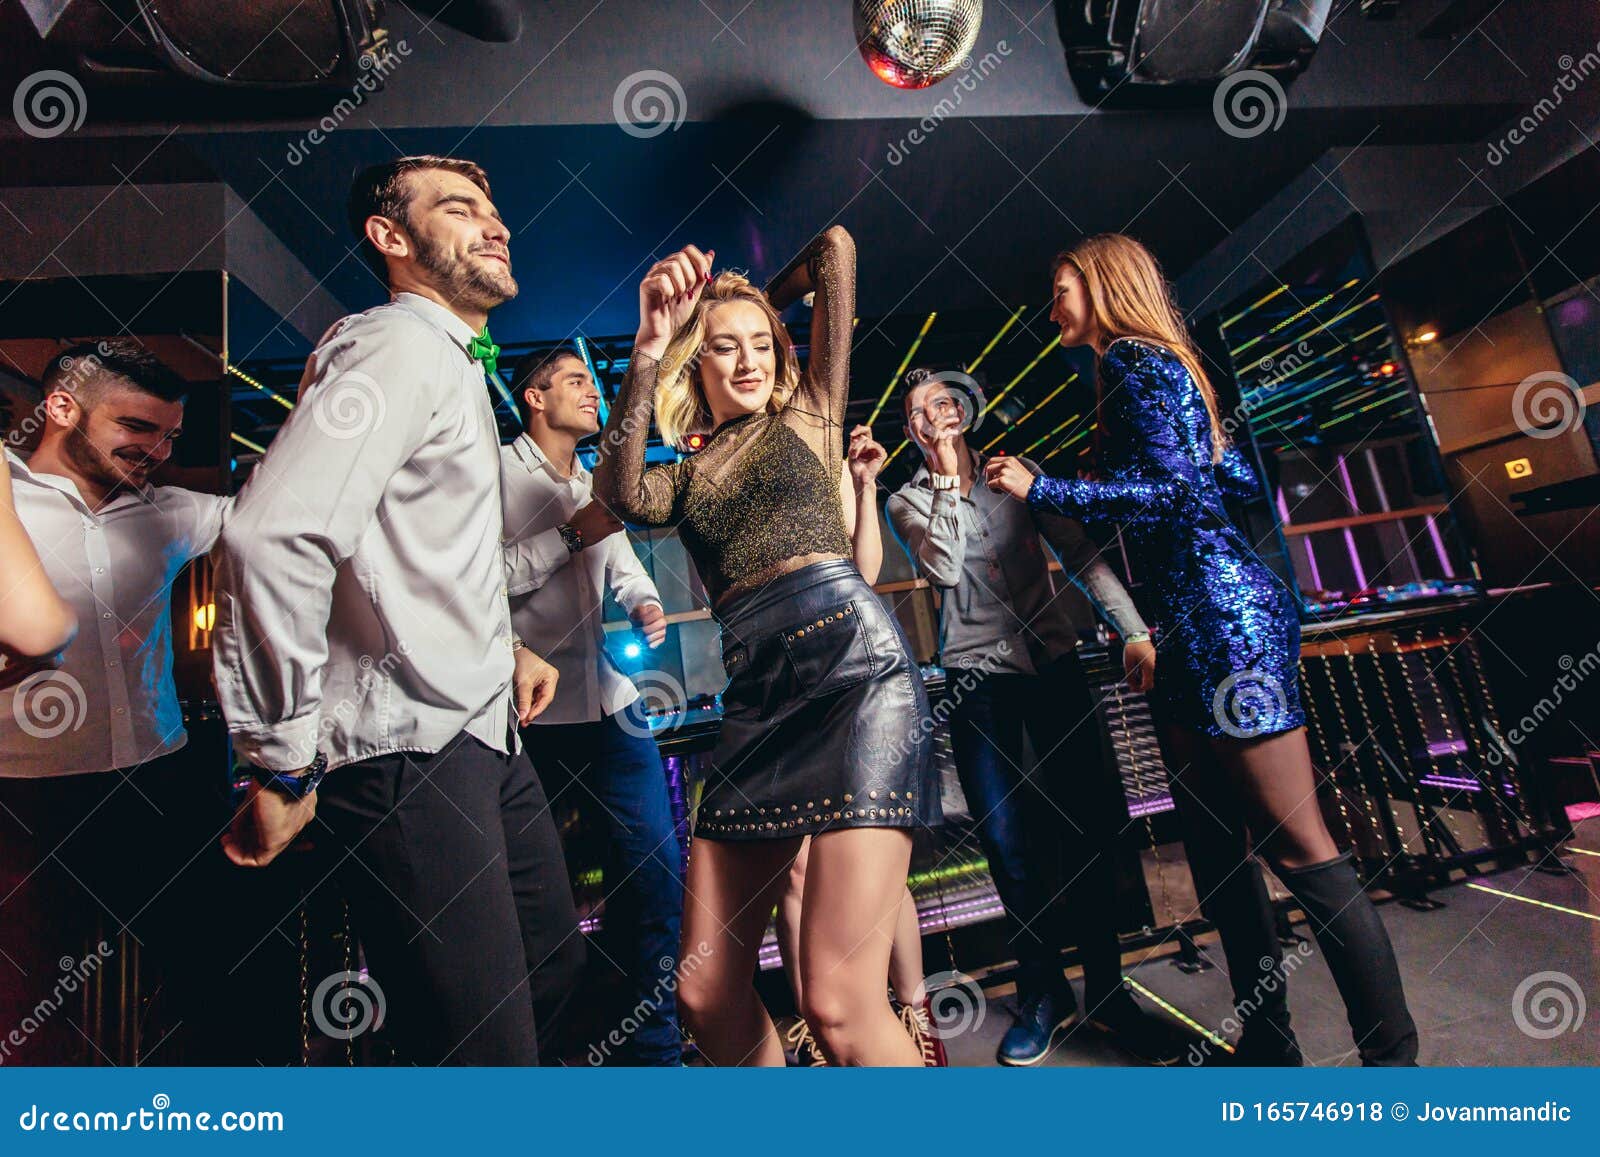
x=1356 y=946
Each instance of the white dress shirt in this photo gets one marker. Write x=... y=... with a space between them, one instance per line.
x=112 y=703
x=558 y=598
x=361 y=601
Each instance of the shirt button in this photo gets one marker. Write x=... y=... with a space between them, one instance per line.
x=106 y=615
x=99 y=570
x=111 y=663
x=122 y=710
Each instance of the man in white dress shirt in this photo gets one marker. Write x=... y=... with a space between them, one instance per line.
x=592 y=746
x=363 y=630
x=106 y=822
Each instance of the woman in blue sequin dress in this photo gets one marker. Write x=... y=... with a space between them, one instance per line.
x=1226 y=699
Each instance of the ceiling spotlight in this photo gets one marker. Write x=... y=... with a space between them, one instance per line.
x=916 y=43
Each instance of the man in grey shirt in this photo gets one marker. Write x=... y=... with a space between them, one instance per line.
x=1049 y=834
x=363 y=629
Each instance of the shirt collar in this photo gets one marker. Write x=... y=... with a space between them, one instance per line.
x=528 y=452
x=69 y=488
x=459 y=331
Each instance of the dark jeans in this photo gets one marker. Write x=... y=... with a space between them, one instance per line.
x=611 y=769
x=84 y=857
x=1049 y=835
x=459 y=894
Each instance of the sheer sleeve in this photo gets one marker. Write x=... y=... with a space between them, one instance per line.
x=1161 y=479
x=647 y=497
x=827 y=267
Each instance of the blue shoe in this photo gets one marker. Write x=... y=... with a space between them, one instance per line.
x=1039 y=1019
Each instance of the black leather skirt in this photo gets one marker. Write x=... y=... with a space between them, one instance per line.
x=825 y=721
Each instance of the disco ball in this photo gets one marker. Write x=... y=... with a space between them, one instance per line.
x=915 y=43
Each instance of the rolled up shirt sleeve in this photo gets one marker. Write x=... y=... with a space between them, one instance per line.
x=935 y=541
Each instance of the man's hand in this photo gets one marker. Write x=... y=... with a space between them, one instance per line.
x=1008 y=476
x=1139 y=665
x=533 y=685
x=652 y=620
x=594 y=522
x=265 y=825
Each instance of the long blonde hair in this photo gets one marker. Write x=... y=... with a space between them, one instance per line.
x=1130 y=298
x=680 y=397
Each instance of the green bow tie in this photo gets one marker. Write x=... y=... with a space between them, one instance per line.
x=483 y=349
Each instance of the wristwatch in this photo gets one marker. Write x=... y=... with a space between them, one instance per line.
x=571 y=536
x=946 y=481
x=294 y=787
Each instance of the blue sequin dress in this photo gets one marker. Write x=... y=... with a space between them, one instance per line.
x=1228 y=642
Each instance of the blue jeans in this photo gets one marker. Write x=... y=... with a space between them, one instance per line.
x=611 y=769
x=1050 y=834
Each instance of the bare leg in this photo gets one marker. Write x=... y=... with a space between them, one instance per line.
x=855 y=883
x=905 y=954
x=789 y=918
x=730 y=891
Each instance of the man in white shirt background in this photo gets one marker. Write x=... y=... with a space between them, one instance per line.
x=592 y=746
x=363 y=631
x=104 y=816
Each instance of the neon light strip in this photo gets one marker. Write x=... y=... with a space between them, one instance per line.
x=243 y=441
x=916 y=343
x=1028 y=369
x=1582 y=851
x=1032 y=446
x=1251 y=308
x=271 y=393
x=1030 y=412
x=1535 y=903
x=995 y=340
x=1293 y=317
x=1181 y=1015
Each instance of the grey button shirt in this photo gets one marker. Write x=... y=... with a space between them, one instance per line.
x=362 y=585
x=112 y=702
x=983 y=550
x=558 y=603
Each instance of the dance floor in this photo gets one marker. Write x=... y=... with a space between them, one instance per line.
x=1463 y=964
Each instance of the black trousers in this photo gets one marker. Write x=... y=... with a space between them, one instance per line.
x=459 y=894
x=1050 y=834
x=94 y=865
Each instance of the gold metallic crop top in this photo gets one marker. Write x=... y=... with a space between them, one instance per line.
x=762 y=495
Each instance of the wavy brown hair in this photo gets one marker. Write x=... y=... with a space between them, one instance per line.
x=1130 y=297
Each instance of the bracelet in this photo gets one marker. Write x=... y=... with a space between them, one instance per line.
x=517 y=644
x=1136 y=637
x=946 y=481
